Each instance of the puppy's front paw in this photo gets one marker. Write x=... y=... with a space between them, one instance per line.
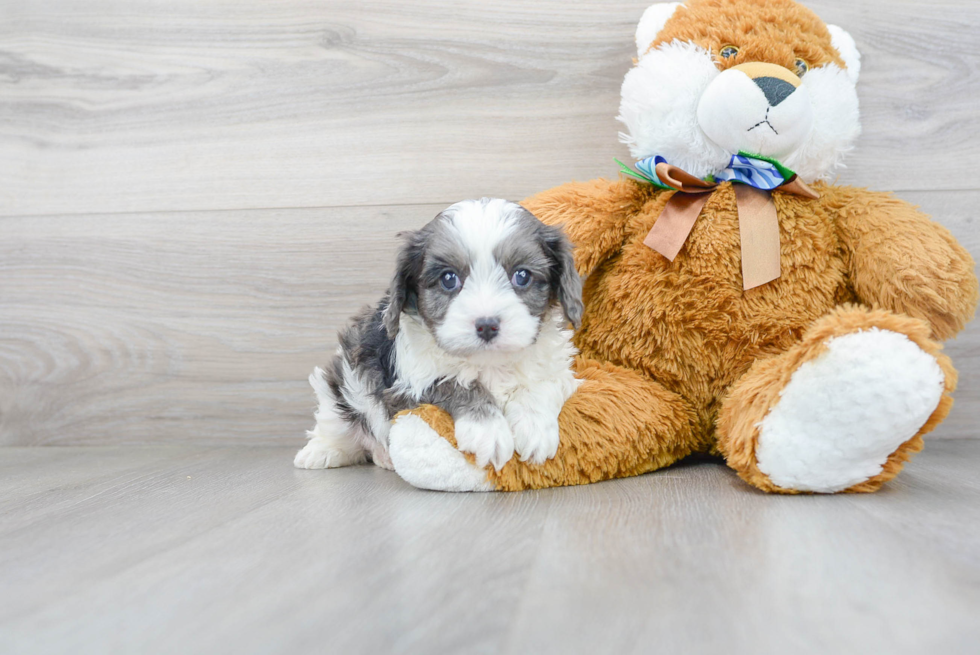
x=535 y=433
x=488 y=437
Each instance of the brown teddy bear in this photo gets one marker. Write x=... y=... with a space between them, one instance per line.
x=737 y=303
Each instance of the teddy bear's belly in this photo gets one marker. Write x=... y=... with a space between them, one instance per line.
x=688 y=324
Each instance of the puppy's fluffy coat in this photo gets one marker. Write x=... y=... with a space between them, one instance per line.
x=474 y=322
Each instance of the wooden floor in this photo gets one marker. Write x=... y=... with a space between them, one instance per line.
x=230 y=550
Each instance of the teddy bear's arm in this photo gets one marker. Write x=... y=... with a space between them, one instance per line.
x=899 y=259
x=593 y=214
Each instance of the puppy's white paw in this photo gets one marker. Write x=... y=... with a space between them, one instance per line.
x=381 y=457
x=489 y=438
x=328 y=453
x=535 y=433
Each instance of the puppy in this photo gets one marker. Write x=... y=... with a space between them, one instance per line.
x=475 y=323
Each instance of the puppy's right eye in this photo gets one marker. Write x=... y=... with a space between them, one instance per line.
x=449 y=281
x=521 y=278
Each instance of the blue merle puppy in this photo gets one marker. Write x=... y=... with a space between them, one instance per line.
x=475 y=322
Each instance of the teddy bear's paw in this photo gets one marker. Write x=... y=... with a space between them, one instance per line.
x=536 y=434
x=489 y=438
x=844 y=412
x=427 y=461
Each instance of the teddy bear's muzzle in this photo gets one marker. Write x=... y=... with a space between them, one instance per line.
x=757 y=108
x=775 y=82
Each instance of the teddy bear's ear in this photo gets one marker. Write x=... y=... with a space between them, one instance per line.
x=844 y=44
x=651 y=23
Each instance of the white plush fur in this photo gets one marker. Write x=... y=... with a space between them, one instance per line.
x=530 y=385
x=842 y=414
x=427 y=461
x=659 y=106
x=734 y=113
x=845 y=45
x=652 y=21
x=662 y=95
x=836 y=124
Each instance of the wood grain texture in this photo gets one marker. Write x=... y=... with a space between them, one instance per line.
x=158 y=105
x=202 y=327
x=200 y=550
x=196 y=327
x=196 y=316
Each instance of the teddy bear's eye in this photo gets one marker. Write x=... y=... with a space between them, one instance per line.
x=801 y=67
x=728 y=51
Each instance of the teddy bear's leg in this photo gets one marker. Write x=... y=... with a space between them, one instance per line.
x=617 y=424
x=840 y=411
x=425 y=458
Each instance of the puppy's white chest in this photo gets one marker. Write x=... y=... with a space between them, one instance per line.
x=502 y=384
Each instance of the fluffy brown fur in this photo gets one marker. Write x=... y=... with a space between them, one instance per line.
x=624 y=424
x=689 y=361
x=756 y=392
x=773 y=31
x=683 y=342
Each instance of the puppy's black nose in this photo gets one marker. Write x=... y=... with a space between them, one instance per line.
x=487 y=328
x=776 y=90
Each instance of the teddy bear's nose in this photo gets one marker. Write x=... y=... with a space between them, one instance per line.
x=776 y=90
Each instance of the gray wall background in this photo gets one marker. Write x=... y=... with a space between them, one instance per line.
x=194 y=196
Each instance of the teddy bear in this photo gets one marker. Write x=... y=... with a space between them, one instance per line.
x=737 y=302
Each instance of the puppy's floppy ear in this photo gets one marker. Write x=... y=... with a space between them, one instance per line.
x=404 y=291
x=566 y=285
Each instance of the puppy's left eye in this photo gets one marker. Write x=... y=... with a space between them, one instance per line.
x=801 y=67
x=449 y=281
x=521 y=278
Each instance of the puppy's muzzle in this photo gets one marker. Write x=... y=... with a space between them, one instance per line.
x=487 y=328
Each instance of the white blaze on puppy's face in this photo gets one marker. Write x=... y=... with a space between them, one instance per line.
x=487 y=293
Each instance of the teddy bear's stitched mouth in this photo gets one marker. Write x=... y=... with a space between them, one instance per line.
x=764 y=121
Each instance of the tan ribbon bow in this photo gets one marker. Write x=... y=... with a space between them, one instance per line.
x=758 y=225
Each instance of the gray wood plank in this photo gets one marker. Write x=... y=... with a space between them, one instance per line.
x=202 y=327
x=182 y=105
x=197 y=327
x=252 y=556
x=359 y=543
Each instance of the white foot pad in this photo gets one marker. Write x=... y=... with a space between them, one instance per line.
x=843 y=413
x=427 y=461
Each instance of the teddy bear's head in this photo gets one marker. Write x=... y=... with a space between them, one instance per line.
x=716 y=78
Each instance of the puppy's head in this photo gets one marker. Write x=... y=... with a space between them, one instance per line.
x=482 y=276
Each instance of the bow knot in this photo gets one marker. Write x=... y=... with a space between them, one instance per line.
x=754 y=178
